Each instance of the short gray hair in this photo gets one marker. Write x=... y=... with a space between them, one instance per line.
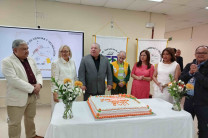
x=122 y=52
x=17 y=42
x=204 y=46
x=96 y=45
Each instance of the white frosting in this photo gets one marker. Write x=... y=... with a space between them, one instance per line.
x=117 y=105
x=107 y=102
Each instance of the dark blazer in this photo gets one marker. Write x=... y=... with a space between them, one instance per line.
x=201 y=83
x=91 y=78
x=179 y=60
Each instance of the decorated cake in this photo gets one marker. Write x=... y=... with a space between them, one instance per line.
x=112 y=106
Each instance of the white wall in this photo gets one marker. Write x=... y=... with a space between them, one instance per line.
x=64 y=16
x=182 y=39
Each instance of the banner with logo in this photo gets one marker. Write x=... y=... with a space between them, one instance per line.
x=154 y=46
x=110 y=46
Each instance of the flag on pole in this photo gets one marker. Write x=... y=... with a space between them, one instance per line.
x=110 y=46
x=154 y=46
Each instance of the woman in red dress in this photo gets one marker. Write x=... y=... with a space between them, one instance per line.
x=142 y=73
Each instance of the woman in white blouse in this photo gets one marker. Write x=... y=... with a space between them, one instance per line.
x=63 y=67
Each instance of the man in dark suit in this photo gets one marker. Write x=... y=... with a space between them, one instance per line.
x=179 y=59
x=196 y=74
x=92 y=72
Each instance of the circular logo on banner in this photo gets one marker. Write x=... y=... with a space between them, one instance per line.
x=43 y=51
x=155 y=55
x=110 y=53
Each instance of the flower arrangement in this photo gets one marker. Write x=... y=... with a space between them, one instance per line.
x=68 y=93
x=177 y=90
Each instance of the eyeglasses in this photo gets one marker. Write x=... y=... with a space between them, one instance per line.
x=121 y=58
x=201 y=53
x=64 y=51
x=24 y=49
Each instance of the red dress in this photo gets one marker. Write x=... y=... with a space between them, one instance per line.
x=141 y=88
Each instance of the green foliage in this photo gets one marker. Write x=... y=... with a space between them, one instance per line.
x=176 y=88
x=67 y=92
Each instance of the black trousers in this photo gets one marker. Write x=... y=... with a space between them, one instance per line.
x=201 y=112
x=119 y=90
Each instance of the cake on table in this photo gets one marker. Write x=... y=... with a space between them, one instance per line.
x=113 y=106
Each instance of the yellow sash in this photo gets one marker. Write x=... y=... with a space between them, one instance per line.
x=115 y=70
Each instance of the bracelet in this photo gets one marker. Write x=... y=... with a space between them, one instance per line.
x=164 y=85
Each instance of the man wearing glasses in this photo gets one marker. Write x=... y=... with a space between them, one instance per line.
x=196 y=73
x=24 y=81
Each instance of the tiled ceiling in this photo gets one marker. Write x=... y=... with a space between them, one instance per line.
x=180 y=13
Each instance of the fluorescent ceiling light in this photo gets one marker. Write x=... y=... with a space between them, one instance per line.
x=156 y=0
x=206 y=8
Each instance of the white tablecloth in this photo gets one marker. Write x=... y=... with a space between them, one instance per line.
x=165 y=123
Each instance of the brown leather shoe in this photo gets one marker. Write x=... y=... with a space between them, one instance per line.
x=38 y=136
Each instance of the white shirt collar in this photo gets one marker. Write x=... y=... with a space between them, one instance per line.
x=64 y=61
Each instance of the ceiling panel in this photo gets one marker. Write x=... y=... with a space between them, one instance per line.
x=70 y=1
x=181 y=2
x=121 y=4
x=94 y=2
x=201 y=12
x=162 y=8
x=198 y=3
x=181 y=10
x=141 y=5
x=195 y=14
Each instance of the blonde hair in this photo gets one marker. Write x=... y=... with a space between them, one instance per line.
x=61 y=48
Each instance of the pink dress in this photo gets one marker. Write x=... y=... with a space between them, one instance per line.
x=141 y=88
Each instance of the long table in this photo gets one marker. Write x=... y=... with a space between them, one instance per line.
x=164 y=123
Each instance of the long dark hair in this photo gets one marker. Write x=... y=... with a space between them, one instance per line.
x=171 y=52
x=139 y=63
